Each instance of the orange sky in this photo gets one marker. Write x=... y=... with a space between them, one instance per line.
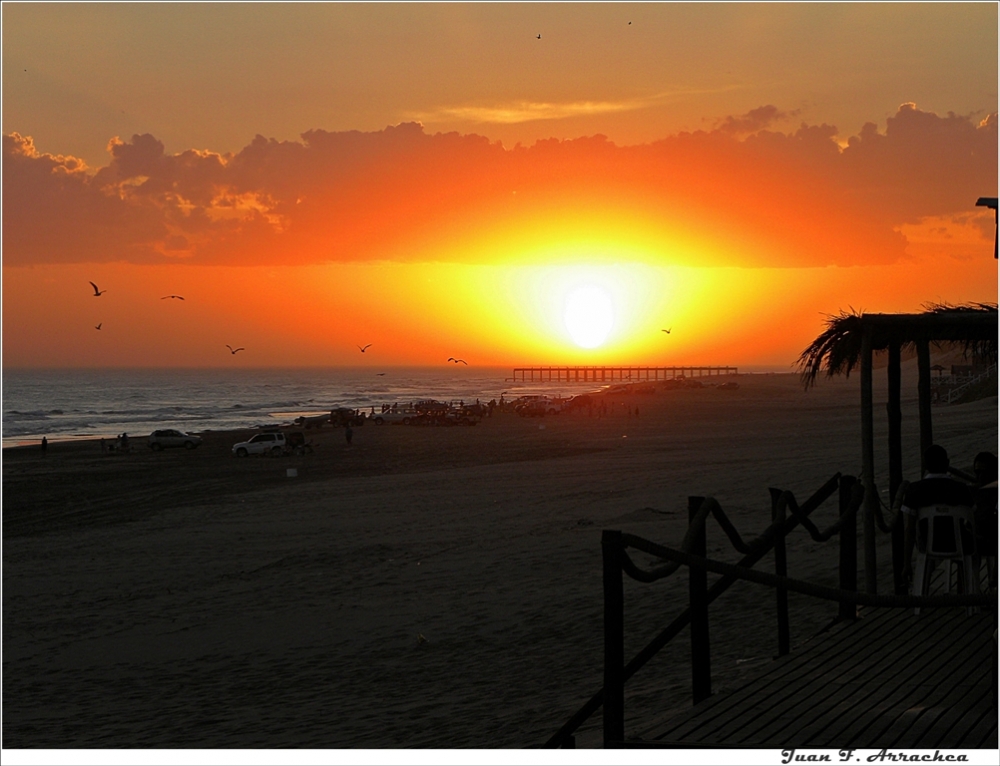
x=400 y=209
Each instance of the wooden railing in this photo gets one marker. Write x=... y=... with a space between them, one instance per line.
x=956 y=393
x=786 y=515
x=615 y=561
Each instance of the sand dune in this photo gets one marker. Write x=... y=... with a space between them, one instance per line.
x=191 y=599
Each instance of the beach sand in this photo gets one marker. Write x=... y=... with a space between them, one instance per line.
x=424 y=587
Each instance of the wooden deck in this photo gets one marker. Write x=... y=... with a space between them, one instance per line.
x=890 y=679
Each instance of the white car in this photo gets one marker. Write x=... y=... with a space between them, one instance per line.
x=393 y=417
x=272 y=443
x=169 y=437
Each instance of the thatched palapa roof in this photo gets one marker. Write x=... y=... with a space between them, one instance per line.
x=838 y=348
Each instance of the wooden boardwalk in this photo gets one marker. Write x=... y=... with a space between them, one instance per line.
x=890 y=679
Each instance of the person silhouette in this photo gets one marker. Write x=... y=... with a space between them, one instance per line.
x=937 y=487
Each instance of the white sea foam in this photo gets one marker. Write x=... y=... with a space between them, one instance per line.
x=82 y=403
x=74 y=403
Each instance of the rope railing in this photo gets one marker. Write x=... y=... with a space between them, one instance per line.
x=683 y=558
x=710 y=507
x=753 y=552
x=617 y=562
x=786 y=515
x=886 y=524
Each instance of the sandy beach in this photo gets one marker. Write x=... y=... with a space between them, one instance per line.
x=422 y=587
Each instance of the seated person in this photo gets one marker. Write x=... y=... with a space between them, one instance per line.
x=936 y=488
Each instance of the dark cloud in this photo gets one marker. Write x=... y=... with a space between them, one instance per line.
x=54 y=212
x=753 y=121
x=923 y=164
x=758 y=195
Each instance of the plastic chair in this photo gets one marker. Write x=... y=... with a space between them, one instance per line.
x=946 y=533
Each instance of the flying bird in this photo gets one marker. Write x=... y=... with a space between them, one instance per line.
x=98 y=325
x=97 y=293
x=234 y=350
x=178 y=297
x=539 y=37
x=456 y=361
x=379 y=374
x=667 y=331
x=364 y=347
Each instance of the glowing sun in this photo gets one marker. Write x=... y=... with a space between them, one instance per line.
x=589 y=316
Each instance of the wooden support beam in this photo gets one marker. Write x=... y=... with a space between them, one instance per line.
x=868 y=462
x=924 y=398
x=701 y=665
x=848 y=549
x=895 y=414
x=781 y=570
x=614 y=637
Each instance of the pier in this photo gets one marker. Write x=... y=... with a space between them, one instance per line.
x=610 y=374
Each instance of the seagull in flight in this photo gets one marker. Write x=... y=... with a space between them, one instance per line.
x=98 y=325
x=97 y=293
x=364 y=347
x=456 y=361
x=234 y=350
x=667 y=331
x=539 y=37
x=178 y=297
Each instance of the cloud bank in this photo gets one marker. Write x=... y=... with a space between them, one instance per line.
x=793 y=199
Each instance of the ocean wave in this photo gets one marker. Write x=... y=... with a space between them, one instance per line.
x=140 y=401
x=17 y=415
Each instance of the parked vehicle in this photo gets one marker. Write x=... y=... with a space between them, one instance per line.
x=535 y=409
x=270 y=443
x=451 y=418
x=537 y=406
x=343 y=416
x=390 y=417
x=579 y=402
x=169 y=437
x=431 y=406
x=312 y=421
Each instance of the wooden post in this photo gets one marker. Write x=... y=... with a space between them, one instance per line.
x=895 y=464
x=924 y=394
x=614 y=638
x=868 y=461
x=781 y=570
x=848 y=549
x=701 y=668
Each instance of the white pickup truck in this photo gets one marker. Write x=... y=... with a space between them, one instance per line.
x=272 y=443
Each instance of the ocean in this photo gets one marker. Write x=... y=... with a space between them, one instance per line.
x=66 y=404
x=87 y=403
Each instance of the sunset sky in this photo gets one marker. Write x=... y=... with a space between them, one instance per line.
x=511 y=183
